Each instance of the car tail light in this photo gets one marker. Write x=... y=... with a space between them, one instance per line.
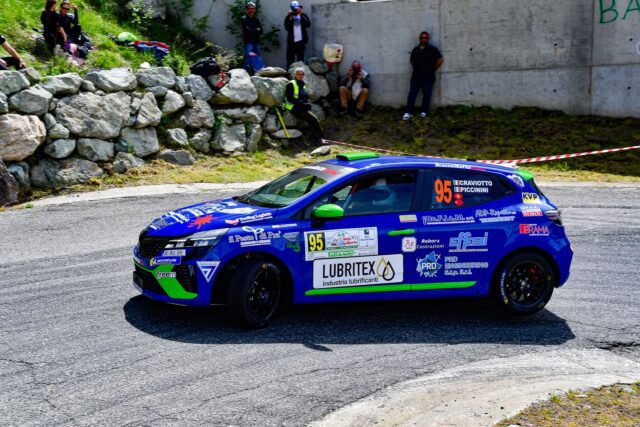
x=554 y=215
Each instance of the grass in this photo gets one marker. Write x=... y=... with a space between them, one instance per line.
x=616 y=405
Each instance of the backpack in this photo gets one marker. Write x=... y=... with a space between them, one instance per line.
x=206 y=67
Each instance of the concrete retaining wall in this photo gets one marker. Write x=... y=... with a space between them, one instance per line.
x=580 y=56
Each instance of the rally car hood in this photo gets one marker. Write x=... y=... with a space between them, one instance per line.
x=208 y=216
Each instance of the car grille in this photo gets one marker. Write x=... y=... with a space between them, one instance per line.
x=148 y=282
x=186 y=276
x=149 y=247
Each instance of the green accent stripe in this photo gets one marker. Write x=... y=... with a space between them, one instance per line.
x=171 y=286
x=528 y=176
x=389 y=288
x=405 y=232
x=358 y=155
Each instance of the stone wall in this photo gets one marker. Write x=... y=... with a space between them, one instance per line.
x=68 y=129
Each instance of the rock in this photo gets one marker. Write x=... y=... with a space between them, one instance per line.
x=197 y=117
x=121 y=146
x=333 y=80
x=230 y=138
x=60 y=148
x=49 y=121
x=239 y=90
x=88 y=86
x=253 y=138
x=63 y=173
x=58 y=132
x=114 y=80
x=318 y=112
x=66 y=84
x=318 y=65
x=200 y=141
x=34 y=100
x=172 y=102
x=198 y=87
x=53 y=104
x=92 y=116
x=20 y=136
x=179 y=157
x=188 y=99
x=143 y=142
x=12 y=82
x=4 y=103
x=270 y=90
x=317 y=85
x=8 y=186
x=158 y=91
x=255 y=114
x=322 y=151
x=20 y=172
x=219 y=80
x=177 y=137
x=181 y=85
x=290 y=120
x=270 y=123
x=157 y=76
x=125 y=161
x=157 y=9
x=43 y=174
x=272 y=72
x=96 y=150
x=31 y=74
x=149 y=114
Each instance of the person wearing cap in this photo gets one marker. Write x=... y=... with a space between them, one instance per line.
x=296 y=23
x=297 y=101
x=354 y=89
x=10 y=61
x=425 y=60
x=251 y=32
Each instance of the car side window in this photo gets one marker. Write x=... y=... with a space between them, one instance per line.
x=459 y=189
x=384 y=193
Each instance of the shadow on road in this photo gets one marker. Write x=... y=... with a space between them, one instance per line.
x=427 y=321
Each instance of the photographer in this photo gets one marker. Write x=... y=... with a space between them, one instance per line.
x=354 y=89
x=296 y=23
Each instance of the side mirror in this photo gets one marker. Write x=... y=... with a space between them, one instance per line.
x=328 y=212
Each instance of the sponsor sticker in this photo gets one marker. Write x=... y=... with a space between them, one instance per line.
x=409 y=244
x=447 y=219
x=534 y=229
x=408 y=218
x=530 y=197
x=465 y=242
x=237 y=211
x=454 y=267
x=284 y=225
x=429 y=265
x=174 y=252
x=517 y=179
x=295 y=246
x=528 y=211
x=254 y=237
x=200 y=221
x=291 y=236
x=360 y=271
x=208 y=269
x=166 y=275
x=255 y=217
x=340 y=243
x=495 y=215
x=172 y=260
x=430 y=244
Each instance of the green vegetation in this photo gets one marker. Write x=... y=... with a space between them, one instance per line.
x=616 y=405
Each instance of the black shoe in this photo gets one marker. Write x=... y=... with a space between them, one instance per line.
x=359 y=114
x=318 y=141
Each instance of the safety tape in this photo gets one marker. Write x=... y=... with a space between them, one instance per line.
x=494 y=162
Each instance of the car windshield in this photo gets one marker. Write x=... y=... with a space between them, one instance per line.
x=284 y=190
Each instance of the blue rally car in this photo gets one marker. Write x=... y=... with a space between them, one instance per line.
x=361 y=227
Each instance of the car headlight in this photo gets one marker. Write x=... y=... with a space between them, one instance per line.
x=204 y=238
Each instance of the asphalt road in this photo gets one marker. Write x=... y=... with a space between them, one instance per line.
x=78 y=346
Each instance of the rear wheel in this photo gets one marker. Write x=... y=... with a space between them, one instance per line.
x=254 y=293
x=524 y=284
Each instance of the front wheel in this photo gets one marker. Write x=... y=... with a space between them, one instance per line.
x=524 y=284
x=254 y=293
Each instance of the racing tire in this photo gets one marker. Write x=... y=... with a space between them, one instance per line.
x=254 y=293
x=524 y=284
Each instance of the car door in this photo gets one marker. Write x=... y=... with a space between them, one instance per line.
x=361 y=253
x=464 y=224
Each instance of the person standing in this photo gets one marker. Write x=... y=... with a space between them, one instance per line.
x=10 y=61
x=425 y=60
x=297 y=101
x=296 y=23
x=354 y=89
x=251 y=32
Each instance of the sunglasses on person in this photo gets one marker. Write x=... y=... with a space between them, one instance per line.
x=64 y=8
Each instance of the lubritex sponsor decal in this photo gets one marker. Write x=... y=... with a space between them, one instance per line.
x=345 y=242
x=358 y=271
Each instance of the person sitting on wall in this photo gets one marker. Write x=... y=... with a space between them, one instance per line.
x=297 y=101
x=354 y=89
x=251 y=32
x=296 y=23
x=54 y=34
x=10 y=61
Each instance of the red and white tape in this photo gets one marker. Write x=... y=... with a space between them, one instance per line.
x=496 y=162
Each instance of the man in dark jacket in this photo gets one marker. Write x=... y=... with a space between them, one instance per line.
x=10 y=61
x=70 y=22
x=296 y=23
x=251 y=32
x=354 y=88
x=425 y=60
x=297 y=101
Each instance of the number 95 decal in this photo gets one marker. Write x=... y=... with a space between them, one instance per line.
x=315 y=242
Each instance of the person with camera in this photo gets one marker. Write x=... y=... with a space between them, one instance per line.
x=296 y=23
x=251 y=32
x=354 y=89
x=425 y=60
x=10 y=61
x=297 y=101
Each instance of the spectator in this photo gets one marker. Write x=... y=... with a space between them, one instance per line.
x=251 y=32
x=425 y=60
x=54 y=34
x=297 y=101
x=296 y=23
x=70 y=22
x=354 y=89
x=10 y=61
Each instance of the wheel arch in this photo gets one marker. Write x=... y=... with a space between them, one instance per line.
x=527 y=249
x=223 y=278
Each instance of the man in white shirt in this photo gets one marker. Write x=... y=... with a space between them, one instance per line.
x=296 y=23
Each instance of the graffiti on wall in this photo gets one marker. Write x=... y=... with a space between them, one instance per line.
x=612 y=10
